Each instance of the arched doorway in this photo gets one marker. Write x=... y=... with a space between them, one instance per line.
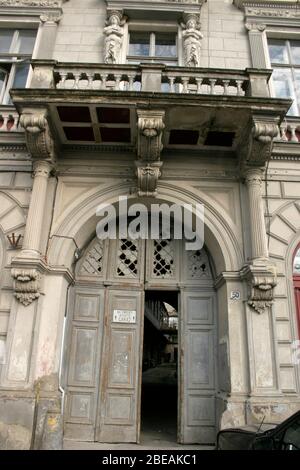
x=116 y=283
x=296 y=279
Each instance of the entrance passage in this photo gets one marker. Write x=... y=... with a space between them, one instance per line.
x=159 y=401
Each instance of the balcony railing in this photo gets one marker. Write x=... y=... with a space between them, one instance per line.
x=290 y=130
x=9 y=119
x=156 y=78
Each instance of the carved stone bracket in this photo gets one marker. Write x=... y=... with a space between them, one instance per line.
x=261 y=282
x=149 y=147
x=258 y=148
x=38 y=136
x=26 y=285
x=150 y=127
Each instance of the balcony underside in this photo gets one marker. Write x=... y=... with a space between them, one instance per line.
x=192 y=122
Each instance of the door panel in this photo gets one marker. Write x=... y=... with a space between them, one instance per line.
x=119 y=407
x=197 y=368
x=86 y=330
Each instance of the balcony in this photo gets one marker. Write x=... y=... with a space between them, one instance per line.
x=205 y=110
x=150 y=78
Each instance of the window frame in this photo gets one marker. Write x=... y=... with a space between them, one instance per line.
x=288 y=66
x=13 y=59
x=153 y=28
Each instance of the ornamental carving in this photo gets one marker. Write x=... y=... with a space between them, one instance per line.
x=150 y=127
x=114 y=33
x=257 y=146
x=192 y=37
x=26 y=285
x=255 y=27
x=38 y=136
x=32 y=3
x=261 y=282
x=273 y=12
x=149 y=147
x=147 y=175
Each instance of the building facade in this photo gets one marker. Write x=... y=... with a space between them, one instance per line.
x=170 y=102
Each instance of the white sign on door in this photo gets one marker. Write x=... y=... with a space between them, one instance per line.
x=124 y=316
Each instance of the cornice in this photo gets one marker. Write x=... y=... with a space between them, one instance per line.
x=32 y=3
x=267 y=9
x=242 y=4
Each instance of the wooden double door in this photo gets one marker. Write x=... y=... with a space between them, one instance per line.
x=104 y=339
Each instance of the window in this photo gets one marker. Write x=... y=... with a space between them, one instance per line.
x=16 y=48
x=152 y=47
x=285 y=60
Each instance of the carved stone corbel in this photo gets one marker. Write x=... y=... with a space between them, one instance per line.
x=261 y=282
x=149 y=147
x=150 y=127
x=257 y=146
x=38 y=136
x=26 y=285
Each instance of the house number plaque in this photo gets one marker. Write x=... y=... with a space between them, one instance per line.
x=124 y=316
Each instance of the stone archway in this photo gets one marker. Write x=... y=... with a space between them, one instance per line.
x=105 y=350
x=74 y=229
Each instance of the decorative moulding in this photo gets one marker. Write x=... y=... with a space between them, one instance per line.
x=32 y=3
x=269 y=9
x=168 y=5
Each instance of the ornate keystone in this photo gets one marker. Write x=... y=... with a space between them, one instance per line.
x=26 y=285
x=148 y=177
x=38 y=136
x=114 y=33
x=261 y=282
x=192 y=37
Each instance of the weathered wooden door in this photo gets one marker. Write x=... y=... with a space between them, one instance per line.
x=197 y=374
x=119 y=411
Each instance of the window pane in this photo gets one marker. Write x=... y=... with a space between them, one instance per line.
x=26 y=41
x=284 y=87
x=21 y=76
x=6 y=36
x=165 y=45
x=295 y=48
x=3 y=76
x=139 y=44
x=278 y=52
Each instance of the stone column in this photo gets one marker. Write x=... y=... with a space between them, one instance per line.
x=34 y=224
x=47 y=35
x=259 y=246
x=257 y=44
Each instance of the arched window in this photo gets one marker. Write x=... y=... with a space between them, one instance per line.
x=296 y=278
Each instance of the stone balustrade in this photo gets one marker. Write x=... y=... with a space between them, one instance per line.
x=9 y=120
x=290 y=130
x=147 y=77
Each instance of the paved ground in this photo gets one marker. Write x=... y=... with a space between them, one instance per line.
x=159 y=416
x=147 y=443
